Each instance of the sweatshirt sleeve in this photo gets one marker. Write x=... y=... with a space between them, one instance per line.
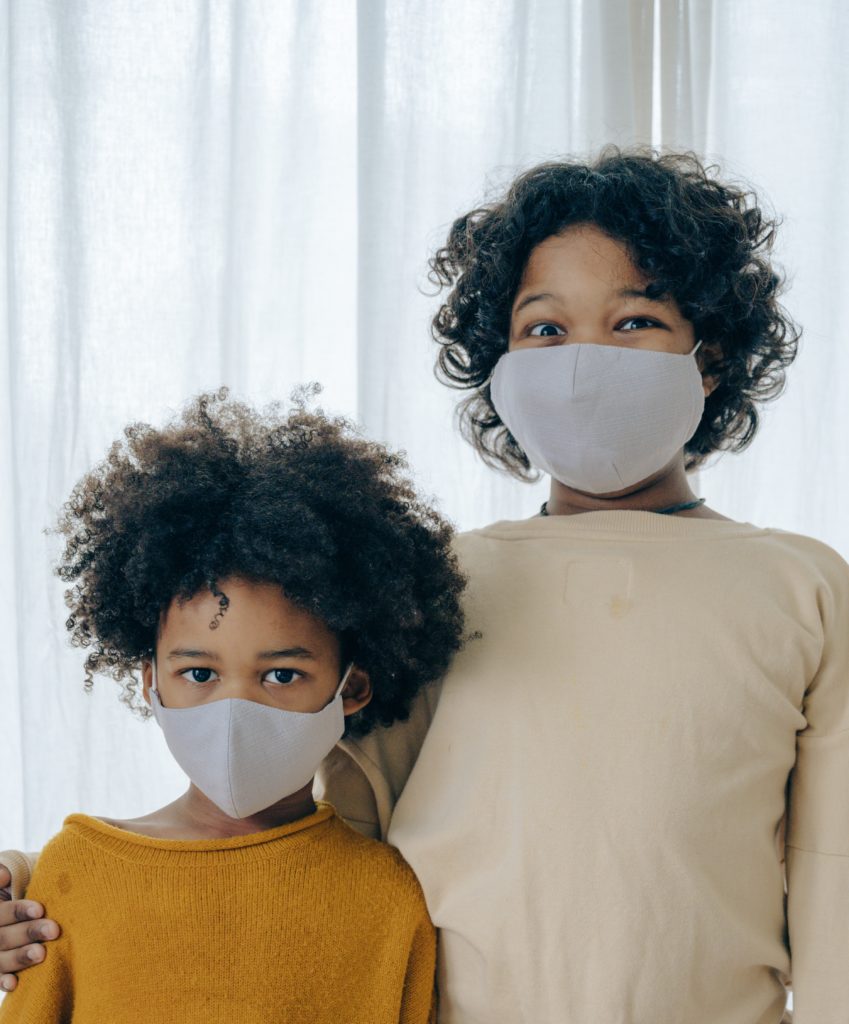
x=21 y=867
x=418 y=1003
x=817 y=849
x=364 y=776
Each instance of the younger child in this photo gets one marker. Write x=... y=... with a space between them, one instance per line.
x=256 y=580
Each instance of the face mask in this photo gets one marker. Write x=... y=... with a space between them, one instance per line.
x=599 y=418
x=246 y=756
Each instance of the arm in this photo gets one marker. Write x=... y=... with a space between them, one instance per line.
x=44 y=996
x=22 y=924
x=342 y=782
x=20 y=867
x=818 y=827
x=418 y=1003
x=364 y=776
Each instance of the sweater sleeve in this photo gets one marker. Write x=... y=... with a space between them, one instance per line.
x=44 y=995
x=21 y=867
x=817 y=849
x=418 y=1003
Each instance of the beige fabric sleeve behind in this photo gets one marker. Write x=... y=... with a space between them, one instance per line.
x=21 y=867
x=818 y=828
x=364 y=776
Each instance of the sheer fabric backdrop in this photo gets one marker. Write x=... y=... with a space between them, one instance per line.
x=197 y=193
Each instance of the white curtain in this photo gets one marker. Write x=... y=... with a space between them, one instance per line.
x=195 y=193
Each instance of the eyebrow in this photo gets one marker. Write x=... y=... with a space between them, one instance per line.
x=643 y=293
x=623 y=293
x=285 y=652
x=532 y=298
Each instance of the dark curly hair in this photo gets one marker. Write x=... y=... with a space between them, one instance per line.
x=703 y=242
x=294 y=498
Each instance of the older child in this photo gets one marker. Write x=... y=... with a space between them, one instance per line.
x=597 y=809
x=266 y=577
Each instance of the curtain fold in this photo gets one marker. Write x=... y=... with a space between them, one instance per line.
x=12 y=763
x=765 y=93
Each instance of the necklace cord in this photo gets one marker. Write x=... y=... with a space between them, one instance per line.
x=683 y=506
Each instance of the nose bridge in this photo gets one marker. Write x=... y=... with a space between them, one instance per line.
x=591 y=328
x=587 y=328
x=240 y=684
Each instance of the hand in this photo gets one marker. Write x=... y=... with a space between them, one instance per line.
x=23 y=929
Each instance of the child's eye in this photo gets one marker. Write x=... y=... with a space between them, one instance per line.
x=197 y=675
x=640 y=323
x=545 y=330
x=282 y=676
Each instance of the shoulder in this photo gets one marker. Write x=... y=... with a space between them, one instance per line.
x=378 y=865
x=811 y=557
x=485 y=551
x=470 y=541
x=67 y=855
x=68 y=841
x=811 y=572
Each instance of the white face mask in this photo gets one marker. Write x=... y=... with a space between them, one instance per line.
x=599 y=418
x=246 y=756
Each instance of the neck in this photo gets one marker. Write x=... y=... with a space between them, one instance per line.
x=202 y=818
x=667 y=488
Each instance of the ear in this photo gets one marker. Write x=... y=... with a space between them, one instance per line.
x=357 y=692
x=708 y=355
x=147 y=679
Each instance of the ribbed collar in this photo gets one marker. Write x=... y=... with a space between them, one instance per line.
x=133 y=846
x=620 y=524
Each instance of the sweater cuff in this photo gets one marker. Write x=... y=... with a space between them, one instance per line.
x=20 y=867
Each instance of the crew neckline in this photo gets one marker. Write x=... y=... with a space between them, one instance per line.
x=135 y=846
x=622 y=523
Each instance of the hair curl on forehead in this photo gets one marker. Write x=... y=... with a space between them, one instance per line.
x=290 y=497
x=704 y=242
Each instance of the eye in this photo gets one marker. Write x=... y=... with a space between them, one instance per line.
x=545 y=330
x=639 y=323
x=197 y=675
x=282 y=676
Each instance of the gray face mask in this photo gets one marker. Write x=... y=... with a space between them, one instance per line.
x=598 y=418
x=246 y=756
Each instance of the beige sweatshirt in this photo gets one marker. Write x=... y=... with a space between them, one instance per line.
x=594 y=798
x=596 y=810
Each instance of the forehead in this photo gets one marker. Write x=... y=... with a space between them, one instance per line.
x=586 y=254
x=252 y=609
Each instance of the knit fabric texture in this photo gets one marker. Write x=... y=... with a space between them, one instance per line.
x=308 y=922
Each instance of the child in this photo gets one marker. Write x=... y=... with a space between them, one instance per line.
x=660 y=694
x=256 y=580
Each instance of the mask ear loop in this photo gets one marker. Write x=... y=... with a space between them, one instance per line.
x=698 y=346
x=154 y=687
x=344 y=680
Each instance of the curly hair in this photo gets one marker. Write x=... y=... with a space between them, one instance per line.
x=703 y=242
x=294 y=498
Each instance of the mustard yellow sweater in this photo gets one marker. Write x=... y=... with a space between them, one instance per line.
x=309 y=922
